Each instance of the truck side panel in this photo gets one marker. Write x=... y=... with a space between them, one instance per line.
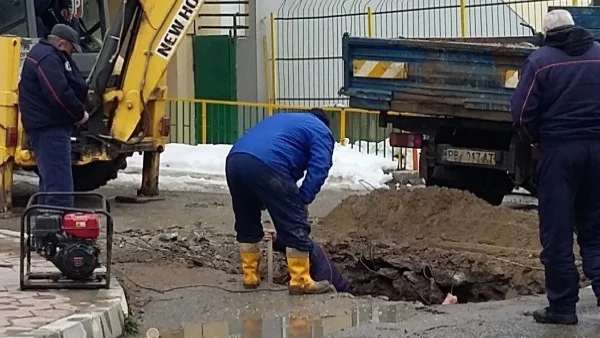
x=447 y=78
x=587 y=17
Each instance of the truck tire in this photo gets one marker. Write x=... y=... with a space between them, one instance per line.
x=492 y=197
x=491 y=186
x=97 y=174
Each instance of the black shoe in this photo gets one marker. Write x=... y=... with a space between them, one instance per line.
x=544 y=316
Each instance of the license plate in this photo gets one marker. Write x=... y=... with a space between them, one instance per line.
x=470 y=156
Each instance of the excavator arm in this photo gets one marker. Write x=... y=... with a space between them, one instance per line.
x=147 y=33
x=154 y=29
x=126 y=103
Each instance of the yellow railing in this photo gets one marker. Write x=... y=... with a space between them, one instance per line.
x=196 y=121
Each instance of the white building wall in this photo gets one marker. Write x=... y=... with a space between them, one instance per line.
x=534 y=12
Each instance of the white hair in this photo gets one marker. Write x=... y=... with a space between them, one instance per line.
x=557 y=18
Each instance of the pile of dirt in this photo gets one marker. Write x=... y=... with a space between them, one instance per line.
x=420 y=244
x=429 y=216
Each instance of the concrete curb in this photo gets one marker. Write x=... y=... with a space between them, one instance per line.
x=9 y=234
x=104 y=318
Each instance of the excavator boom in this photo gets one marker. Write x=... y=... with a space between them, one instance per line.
x=126 y=105
x=155 y=28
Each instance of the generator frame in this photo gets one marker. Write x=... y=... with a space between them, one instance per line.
x=30 y=280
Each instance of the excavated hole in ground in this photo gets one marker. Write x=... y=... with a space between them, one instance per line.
x=426 y=275
x=421 y=244
x=378 y=278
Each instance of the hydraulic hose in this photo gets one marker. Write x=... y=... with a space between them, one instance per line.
x=105 y=64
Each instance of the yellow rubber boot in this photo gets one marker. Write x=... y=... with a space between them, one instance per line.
x=299 y=267
x=250 y=255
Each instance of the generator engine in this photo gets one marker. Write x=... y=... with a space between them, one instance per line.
x=69 y=241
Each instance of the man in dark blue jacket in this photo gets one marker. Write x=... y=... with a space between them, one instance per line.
x=49 y=13
x=556 y=107
x=52 y=92
x=262 y=169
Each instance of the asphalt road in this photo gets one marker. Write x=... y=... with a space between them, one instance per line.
x=485 y=320
x=311 y=316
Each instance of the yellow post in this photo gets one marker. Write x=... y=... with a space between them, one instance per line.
x=369 y=22
x=273 y=58
x=343 y=127
x=270 y=110
x=9 y=68
x=266 y=65
x=463 y=18
x=575 y=2
x=203 y=113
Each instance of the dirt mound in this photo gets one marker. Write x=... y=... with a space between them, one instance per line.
x=430 y=215
x=420 y=244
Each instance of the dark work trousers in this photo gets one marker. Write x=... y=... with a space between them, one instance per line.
x=321 y=267
x=52 y=148
x=252 y=185
x=569 y=198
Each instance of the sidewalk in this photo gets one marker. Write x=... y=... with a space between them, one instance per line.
x=55 y=313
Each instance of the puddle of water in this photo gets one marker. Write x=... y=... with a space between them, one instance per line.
x=253 y=325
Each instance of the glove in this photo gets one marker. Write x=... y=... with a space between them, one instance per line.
x=270 y=235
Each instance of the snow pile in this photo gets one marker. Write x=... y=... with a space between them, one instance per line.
x=351 y=167
x=185 y=167
x=382 y=149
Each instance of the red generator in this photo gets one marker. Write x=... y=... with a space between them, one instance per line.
x=70 y=239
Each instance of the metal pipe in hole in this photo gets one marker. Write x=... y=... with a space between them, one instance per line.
x=270 y=261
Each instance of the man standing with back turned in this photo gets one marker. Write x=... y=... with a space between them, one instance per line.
x=52 y=92
x=262 y=170
x=556 y=107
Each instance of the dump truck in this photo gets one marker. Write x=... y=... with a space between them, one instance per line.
x=125 y=62
x=450 y=98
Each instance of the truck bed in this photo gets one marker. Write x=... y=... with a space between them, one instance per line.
x=449 y=78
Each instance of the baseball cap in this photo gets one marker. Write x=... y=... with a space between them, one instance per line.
x=67 y=33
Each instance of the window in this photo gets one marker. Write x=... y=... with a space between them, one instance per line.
x=92 y=25
x=92 y=18
x=13 y=17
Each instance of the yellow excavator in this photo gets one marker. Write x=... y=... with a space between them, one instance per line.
x=125 y=63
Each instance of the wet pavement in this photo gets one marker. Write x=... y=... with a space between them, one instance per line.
x=493 y=319
x=227 y=312
x=293 y=325
x=372 y=318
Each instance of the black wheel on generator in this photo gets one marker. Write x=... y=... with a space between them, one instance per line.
x=95 y=175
